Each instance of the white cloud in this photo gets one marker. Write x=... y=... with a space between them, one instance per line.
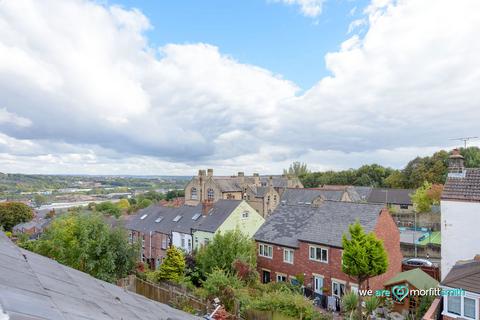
x=82 y=90
x=309 y=8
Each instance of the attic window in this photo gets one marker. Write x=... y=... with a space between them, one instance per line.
x=158 y=219
x=308 y=203
x=143 y=217
x=177 y=218
x=300 y=202
x=196 y=216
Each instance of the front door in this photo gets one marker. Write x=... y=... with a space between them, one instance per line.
x=318 y=284
x=265 y=276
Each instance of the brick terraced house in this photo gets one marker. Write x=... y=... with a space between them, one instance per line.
x=307 y=239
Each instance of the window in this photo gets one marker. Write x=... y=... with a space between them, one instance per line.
x=462 y=306
x=164 y=243
x=210 y=194
x=265 y=250
x=189 y=244
x=288 y=255
x=177 y=218
x=469 y=308
x=143 y=242
x=404 y=206
x=193 y=193
x=338 y=288
x=319 y=254
x=245 y=215
x=206 y=241
x=455 y=305
x=265 y=276
x=183 y=241
x=143 y=217
x=158 y=219
x=281 y=277
x=196 y=216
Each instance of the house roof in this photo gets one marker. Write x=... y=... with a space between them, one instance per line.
x=416 y=277
x=391 y=196
x=34 y=287
x=465 y=187
x=325 y=224
x=277 y=181
x=294 y=196
x=162 y=219
x=220 y=211
x=228 y=184
x=464 y=275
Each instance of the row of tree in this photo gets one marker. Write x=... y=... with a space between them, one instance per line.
x=432 y=169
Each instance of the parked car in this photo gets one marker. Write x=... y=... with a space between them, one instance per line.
x=418 y=262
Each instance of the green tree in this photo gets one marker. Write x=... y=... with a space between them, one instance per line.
x=421 y=199
x=173 y=266
x=224 y=250
x=364 y=256
x=142 y=204
x=39 y=200
x=86 y=243
x=108 y=208
x=13 y=213
x=297 y=169
x=172 y=194
x=472 y=156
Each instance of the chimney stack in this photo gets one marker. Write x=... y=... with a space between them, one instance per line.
x=477 y=257
x=270 y=181
x=210 y=172
x=456 y=163
x=241 y=174
x=206 y=207
x=201 y=173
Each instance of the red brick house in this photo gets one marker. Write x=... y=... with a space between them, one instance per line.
x=307 y=240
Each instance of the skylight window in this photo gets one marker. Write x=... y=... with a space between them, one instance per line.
x=177 y=218
x=158 y=219
x=196 y=216
x=143 y=217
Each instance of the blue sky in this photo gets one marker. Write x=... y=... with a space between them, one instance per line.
x=268 y=34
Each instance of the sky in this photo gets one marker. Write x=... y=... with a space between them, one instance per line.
x=170 y=87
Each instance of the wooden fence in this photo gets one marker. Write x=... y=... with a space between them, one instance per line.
x=165 y=293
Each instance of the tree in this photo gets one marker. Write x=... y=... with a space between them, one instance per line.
x=108 y=208
x=172 y=194
x=173 y=266
x=123 y=204
x=39 y=200
x=364 y=256
x=297 y=169
x=85 y=242
x=224 y=250
x=13 y=213
x=142 y=204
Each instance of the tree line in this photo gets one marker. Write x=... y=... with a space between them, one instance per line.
x=432 y=169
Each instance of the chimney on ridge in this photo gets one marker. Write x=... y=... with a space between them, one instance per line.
x=206 y=207
x=210 y=172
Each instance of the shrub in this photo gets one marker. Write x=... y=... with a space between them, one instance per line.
x=349 y=304
x=221 y=285
x=173 y=266
x=13 y=213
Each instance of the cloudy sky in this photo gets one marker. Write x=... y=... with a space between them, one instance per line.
x=150 y=87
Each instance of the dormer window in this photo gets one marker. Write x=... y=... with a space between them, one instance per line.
x=144 y=216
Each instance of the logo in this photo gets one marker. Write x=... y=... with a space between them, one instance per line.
x=400 y=292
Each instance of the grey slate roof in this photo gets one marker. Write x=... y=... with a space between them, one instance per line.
x=33 y=287
x=277 y=181
x=391 y=196
x=362 y=193
x=325 y=224
x=220 y=211
x=294 y=196
x=465 y=188
x=228 y=184
x=464 y=275
x=217 y=215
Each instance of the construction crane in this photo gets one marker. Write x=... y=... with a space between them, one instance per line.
x=464 y=139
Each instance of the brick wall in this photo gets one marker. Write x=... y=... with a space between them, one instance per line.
x=385 y=230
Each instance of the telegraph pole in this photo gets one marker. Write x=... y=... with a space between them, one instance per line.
x=465 y=140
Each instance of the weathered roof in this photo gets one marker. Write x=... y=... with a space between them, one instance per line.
x=165 y=216
x=464 y=275
x=416 y=277
x=220 y=211
x=34 y=287
x=228 y=184
x=293 y=196
x=325 y=224
x=463 y=187
x=362 y=192
x=391 y=196
x=277 y=181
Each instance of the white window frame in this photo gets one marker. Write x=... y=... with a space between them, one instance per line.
x=261 y=250
x=340 y=283
x=291 y=255
x=245 y=214
x=467 y=295
x=193 y=193
x=281 y=275
x=315 y=258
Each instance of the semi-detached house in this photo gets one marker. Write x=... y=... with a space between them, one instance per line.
x=307 y=239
